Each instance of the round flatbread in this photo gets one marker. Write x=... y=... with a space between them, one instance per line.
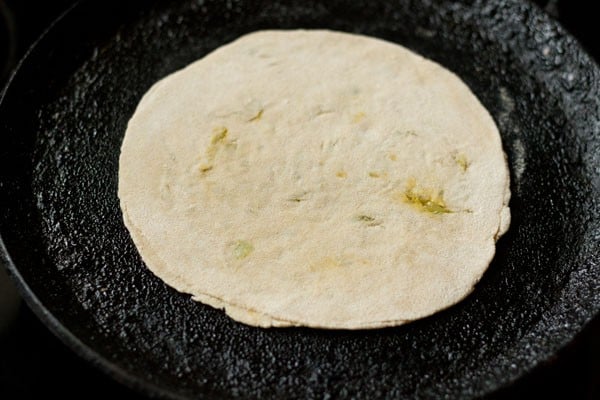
x=315 y=178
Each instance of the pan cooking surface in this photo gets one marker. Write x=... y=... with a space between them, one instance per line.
x=64 y=118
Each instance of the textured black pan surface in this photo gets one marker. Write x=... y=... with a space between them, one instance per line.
x=62 y=121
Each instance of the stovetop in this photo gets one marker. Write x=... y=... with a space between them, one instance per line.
x=33 y=363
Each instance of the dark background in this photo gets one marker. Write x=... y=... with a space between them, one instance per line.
x=33 y=363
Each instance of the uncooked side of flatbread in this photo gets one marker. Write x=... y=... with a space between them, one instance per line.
x=315 y=178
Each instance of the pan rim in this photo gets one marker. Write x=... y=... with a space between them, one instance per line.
x=502 y=379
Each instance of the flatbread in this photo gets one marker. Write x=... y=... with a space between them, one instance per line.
x=315 y=178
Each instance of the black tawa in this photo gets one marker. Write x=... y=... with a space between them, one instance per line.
x=63 y=118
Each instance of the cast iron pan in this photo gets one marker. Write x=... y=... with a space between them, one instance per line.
x=62 y=121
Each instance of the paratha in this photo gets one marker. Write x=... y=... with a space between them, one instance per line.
x=315 y=178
